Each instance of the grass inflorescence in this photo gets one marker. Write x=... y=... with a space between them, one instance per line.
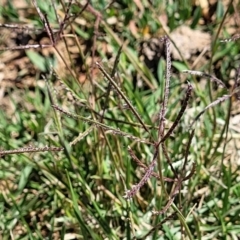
x=101 y=146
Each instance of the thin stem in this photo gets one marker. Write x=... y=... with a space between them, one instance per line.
x=183 y=221
x=209 y=70
x=31 y=149
x=123 y=96
x=166 y=91
x=180 y=114
x=111 y=129
x=109 y=84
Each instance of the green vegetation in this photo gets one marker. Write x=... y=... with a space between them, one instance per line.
x=87 y=128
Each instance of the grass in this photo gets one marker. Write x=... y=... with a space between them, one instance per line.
x=81 y=146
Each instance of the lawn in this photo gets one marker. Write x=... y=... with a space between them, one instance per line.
x=119 y=119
